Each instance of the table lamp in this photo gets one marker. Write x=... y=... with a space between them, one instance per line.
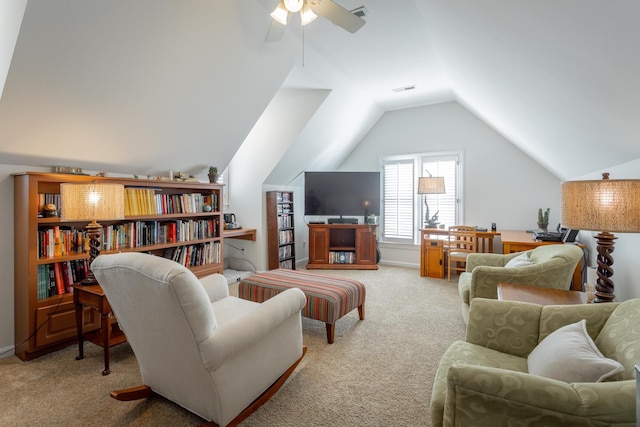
x=430 y=185
x=607 y=206
x=92 y=202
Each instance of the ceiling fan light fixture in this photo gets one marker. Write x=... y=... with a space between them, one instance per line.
x=280 y=14
x=307 y=15
x=293 y=6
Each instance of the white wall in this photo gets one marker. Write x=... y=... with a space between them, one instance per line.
x=275 y=131
x=501 y=183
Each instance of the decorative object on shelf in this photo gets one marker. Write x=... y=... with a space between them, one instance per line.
x=67 y=169
x=50 y=210
x=608 y=206
x=92 y=202
x=430 y=185
x=543 y=219
x=213 y=174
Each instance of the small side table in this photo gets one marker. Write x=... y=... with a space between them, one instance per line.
x=431 y=256
x=109 y=334
x=539 y=295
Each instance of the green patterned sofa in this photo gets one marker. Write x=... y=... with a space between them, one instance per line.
x=484 y=380
x=552 y=266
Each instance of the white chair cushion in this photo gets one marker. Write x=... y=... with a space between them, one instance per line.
x=521 y=260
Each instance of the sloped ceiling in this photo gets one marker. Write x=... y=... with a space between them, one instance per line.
x=151 y=85
x=558 y=78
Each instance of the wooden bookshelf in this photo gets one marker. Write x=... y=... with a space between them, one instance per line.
x=171 y=220
x=280 y=230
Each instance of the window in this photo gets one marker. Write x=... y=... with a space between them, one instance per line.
x=403 y=209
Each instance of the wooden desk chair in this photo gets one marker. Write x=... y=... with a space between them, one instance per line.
x=462 y=241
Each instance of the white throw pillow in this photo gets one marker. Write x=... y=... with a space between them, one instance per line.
x=521 y=260
x=569 y=354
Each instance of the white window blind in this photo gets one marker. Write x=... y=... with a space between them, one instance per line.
x=403 y=209
x=398 y=199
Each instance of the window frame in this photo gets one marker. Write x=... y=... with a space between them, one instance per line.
x=418 y=160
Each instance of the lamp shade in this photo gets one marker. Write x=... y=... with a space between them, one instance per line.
x=91 y=201
x=431 y=185
x=280 y=14
x=611 y=205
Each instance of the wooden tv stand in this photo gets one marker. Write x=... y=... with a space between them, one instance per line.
x=342 y=246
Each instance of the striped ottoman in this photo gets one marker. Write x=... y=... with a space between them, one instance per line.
x=328 y=298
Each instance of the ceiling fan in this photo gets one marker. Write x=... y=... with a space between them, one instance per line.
x=309 y=10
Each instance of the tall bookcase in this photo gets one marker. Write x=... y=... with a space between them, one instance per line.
x=280 y=230
x=178 y=220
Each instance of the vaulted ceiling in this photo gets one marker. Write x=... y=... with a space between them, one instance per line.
x=150 y=85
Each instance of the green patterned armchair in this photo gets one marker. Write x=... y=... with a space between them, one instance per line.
x=484 y=380
x=549 y=266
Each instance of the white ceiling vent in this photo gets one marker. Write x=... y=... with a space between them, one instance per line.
x=403 y=88
x=360 y=12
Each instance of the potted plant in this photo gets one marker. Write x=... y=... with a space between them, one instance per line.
x=213 y=174
x=543 y=219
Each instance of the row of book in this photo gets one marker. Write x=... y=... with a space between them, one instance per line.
x=59 y=241
x=285 y=236
x=56 y=241
x=58 y=278
x=143 y=233
x=148 y=201
x=285 y=251
x=283 y=197
x=288 y=264
x=285 y=221
x=285 y=209
x=194 y=255
x=342 y=257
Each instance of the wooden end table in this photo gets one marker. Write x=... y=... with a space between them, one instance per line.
x=109 y=334
x=539 y=295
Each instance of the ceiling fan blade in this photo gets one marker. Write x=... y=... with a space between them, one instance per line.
x=337 y=14
x=275 y=32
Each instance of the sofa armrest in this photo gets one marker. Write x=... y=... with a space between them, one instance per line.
x=484 y=396
x=238 y=334
x=510 y=327
x=216 y=286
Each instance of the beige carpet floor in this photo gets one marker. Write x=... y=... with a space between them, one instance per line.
x=378 y=372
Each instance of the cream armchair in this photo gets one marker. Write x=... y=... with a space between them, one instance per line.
x=210 y=353
x=484 y=380
x=549 y=266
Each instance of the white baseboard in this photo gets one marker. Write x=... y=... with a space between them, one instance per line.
x=7 y=351
x=400 y=264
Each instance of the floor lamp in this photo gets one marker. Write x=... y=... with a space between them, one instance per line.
x=92 y=202
x=608 y=206
x=430 y=185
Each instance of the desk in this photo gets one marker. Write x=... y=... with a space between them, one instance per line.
x=433 y=246
x=240 y=233
x=485 y=238
x=109 y=335
x=539 y=295
x=520 y=241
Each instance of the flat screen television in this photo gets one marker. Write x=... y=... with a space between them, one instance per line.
x=342 y=193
